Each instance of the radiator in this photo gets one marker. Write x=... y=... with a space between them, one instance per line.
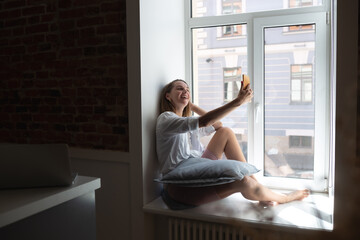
x=181 y=229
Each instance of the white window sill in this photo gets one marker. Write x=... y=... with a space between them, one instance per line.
x=313 y=213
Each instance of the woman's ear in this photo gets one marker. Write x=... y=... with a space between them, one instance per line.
x=167 y=97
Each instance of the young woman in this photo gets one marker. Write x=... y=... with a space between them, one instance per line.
x=175 y=124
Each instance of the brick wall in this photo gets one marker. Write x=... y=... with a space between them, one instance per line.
x=63 y=72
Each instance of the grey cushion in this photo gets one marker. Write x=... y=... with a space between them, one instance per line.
x=197 y=172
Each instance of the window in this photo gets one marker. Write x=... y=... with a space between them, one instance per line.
x=232 y=83
x=284 y=130
x=295 y=28
x=300 y=142
x=233 y=30
x=206 y=8
x=301 y=83
x=217 y=65
x=231 y=7
x=300 y=3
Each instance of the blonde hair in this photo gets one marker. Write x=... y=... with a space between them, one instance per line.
x=166 y=105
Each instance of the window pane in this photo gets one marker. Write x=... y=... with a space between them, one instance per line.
x=294 y=141
x=295 y=96
x=306 y=141
x=202 y=8
x=296 y=85
x=307 y=92
x=218 y=62
x=289 y=104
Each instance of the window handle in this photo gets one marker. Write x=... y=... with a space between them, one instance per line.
x=257 y=112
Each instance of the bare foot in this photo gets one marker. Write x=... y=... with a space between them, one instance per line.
x=297 y=195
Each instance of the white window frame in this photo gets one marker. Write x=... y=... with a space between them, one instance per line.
x=255 y=22
x=321 y=154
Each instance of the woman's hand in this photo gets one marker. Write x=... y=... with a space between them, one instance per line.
x=198 y=110
x=245 y=94
x=217 y=125
x=191 y=105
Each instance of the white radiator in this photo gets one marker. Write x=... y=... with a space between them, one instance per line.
x=181 y=229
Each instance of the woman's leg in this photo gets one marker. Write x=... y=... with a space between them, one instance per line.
x=253 y=190
x=224 y=141
x=248 y=187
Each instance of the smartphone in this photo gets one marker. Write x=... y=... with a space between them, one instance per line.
x=245 y=80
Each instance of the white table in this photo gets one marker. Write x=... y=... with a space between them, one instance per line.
x=50 y=213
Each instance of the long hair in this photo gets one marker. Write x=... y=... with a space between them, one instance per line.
x=166 y=105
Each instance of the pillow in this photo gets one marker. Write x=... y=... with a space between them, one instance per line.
x=201 y=172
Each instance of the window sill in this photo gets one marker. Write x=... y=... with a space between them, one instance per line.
x=313 y=213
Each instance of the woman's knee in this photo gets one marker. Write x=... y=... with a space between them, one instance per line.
x=225 y=131
x=249 y=188
x=247 y=183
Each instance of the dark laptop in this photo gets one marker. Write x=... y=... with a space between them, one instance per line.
x=35 y=165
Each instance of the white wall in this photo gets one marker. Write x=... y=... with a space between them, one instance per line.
x=155 y=56
x=162 y=60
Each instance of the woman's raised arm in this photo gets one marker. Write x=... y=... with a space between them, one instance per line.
x=202 y=112
x=198 y=110
x=245 y=95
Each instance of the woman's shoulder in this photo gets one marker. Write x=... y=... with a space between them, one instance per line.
x=167 y=115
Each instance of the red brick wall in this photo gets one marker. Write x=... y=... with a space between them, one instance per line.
x=63 y=73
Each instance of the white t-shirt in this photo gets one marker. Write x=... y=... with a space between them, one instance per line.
x=173 y=137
